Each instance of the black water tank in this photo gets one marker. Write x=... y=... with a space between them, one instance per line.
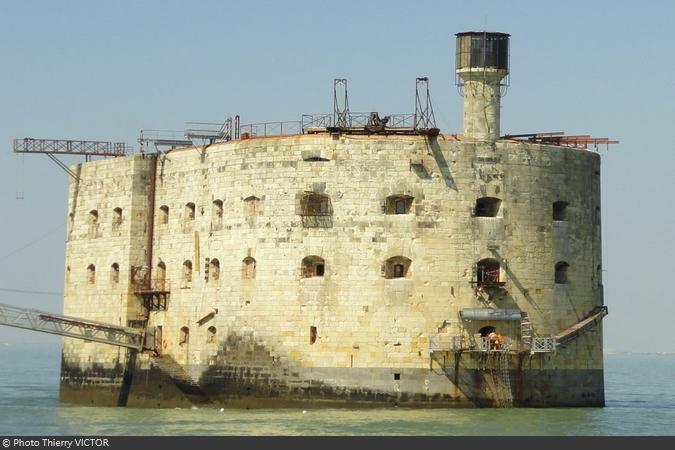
x=480 y=49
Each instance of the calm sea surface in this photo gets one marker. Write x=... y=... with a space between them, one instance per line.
x=640 y=393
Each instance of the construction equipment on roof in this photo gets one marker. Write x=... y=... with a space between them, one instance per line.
x=53 y=147
x=560 y=139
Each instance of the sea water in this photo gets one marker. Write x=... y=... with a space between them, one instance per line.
x=639 y=392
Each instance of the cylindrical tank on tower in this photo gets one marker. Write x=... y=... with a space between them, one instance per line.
x=482 y=69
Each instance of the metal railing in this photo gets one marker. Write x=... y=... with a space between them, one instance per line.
x=264 y=129
x=74 y=327
x=543 y=344
x=71 y=147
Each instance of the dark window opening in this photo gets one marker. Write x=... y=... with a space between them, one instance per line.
x=488 y=273
x=248 y=268
x=214 y=270
x=560 y=211
x=397 y=376
x=315 y=159
x=93 y=217
x=561 y=272
x=316 y=205
x=189 y=211
x=211 y=335
x=487 y=207
x=117 y=218
x=184 y=337
x=163 y=215
x=398 y=204
x=397 y=267
x=187 y=273
x=486 y=330
x=114 y=274
x=313 y=266
x=91 y=274
x=312 y=335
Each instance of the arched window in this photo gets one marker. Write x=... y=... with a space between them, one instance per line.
x=91 y=274
x=560 y=211
x=248 y=268
x=93 y=217
x=189 y=212
x=251 y=206
x=211 y=334
x=92 y=220
x=117 y=218
x=398 y=204
x=163 y=215
x=214 y=270
x=217 y=210
x=160 y=276
x=184 y=337
x=561 y=272
x=312 y=334
x=114 y=274
x=487 y=207
x=397 y=267
x=187 y=273
x=488 y=273
x=313 y=266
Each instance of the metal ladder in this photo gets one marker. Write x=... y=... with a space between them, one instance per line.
x=525 y=330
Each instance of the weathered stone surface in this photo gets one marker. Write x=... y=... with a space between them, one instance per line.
x=368 y=328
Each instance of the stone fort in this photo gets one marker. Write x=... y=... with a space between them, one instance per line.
x=337 y=267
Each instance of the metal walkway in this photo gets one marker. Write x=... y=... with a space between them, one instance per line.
x=74 y=327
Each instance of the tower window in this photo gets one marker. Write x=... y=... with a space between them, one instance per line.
x=398 y=204
x=251 y=206
x=214 y=270
x=117 y=218
x=488 y=273
x=93 y=217
x=211 y=335
x=217 y=210
x=397 y=267
x=114 y=274
x=560 y=211
x=189 y=212
x=312 y=334
x=487 y=207
x=316 y=205
x=561 y=272
x=184 y=337
x=248 y=268
x=160 y=277
x=163 y=215
x=91 y=274
x=187 y=273
x=313 y=266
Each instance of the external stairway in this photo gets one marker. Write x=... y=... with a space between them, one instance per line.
x=183 y=381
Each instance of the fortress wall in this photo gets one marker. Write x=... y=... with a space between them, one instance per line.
x=363 y=320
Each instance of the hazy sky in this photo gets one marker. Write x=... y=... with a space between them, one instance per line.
x=105 y=70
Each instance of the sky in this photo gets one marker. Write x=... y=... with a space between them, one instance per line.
x=105 y=70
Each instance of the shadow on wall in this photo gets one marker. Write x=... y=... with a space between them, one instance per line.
x=442 y=163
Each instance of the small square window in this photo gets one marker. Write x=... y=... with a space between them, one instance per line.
x=397 y=376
